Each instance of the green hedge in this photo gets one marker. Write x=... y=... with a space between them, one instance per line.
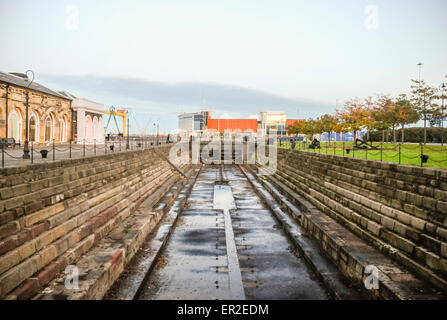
x=415 y=134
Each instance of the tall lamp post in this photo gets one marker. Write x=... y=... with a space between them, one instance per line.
x=158 y=123
x=128 y=131
x=443 y=89
x=26 y=146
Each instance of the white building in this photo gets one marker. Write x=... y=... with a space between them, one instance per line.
x=272 y=121
x=88 y=121
x=189 y=123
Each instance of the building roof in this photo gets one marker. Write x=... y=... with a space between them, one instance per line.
x=67 y=94
x=21 y=82
x=88 y=104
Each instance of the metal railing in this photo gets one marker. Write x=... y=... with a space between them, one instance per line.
x=52 y=151
x=402 y=153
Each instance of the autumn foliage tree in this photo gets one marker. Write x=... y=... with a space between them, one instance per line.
x=354 y=116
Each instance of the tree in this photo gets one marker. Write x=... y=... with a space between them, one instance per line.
x=379 y=114
x=311 y=128
x=297 y=128
x=328 y=123
x=423 y=97
x=354 y=116
x=406 y=113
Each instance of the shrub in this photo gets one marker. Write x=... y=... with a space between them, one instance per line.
x=415 y=134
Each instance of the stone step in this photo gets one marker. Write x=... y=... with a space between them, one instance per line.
x=60 y=212
x=406 y=173
x=396 y=180
x=77 y=228
x=67 y=205
x=413 y=229
x=435 y=229
x=305 y=192
x=64 y=187
x=117 y=250
x=9 y=260
x=426 y=207
x=379 y=229
x=10 y=177
x=324 y=268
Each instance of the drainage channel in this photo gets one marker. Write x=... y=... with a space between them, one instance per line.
x=227 y=245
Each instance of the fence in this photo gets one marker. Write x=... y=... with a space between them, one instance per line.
x=402 y=153
x=52 y=151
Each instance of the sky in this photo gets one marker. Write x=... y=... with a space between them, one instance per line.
x=159 y=58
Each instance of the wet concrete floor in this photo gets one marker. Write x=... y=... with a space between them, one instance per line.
x=194 y=264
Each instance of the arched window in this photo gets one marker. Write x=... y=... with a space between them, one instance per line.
x=15 y=125
x=88 y=129
x=49 y=128
x=95 y=128
x=33 y=127
x=63 y=129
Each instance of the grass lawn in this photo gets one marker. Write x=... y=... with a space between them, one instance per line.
x=409 y=153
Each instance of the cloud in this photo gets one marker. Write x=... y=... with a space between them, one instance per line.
x=168 y=98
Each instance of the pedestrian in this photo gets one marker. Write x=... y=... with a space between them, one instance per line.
x=293 y=144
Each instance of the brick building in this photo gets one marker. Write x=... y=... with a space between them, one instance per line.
x=50 y=114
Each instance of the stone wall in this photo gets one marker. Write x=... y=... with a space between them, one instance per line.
x=401 y=210
x=53 y=213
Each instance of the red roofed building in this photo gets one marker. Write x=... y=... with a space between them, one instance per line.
x=242 y=125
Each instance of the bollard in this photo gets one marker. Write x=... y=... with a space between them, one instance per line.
x=70 y=148
x=94 y=146
x=400 y=144
x=32 y=152
x=54 y=152
x=422 y=152
x=381 y=151
x=83 y=148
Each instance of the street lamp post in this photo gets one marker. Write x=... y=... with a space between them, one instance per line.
x=26 y=154
x=443 y=89
x=128 y=131
x=157 y=130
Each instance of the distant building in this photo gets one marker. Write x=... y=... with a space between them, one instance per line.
x=266 y=122
x=88 y=121
x=49 y=112
x=233 y=125
x=190 y=123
